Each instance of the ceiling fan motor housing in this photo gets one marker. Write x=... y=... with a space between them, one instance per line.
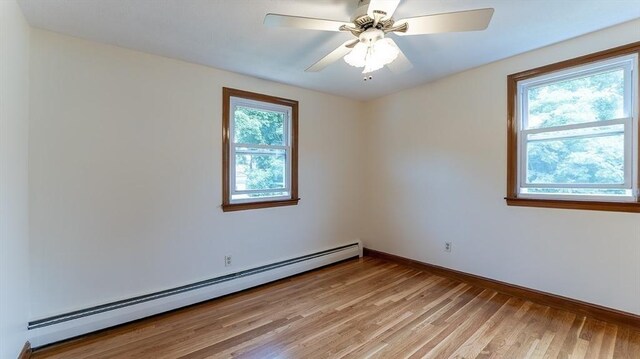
x=371 y=35
x=362 y=20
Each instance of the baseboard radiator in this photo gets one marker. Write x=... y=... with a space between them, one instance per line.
x=68 y=325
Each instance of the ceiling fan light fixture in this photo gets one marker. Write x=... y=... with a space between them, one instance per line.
x=357 y=56
x=373 y=56
x=373 y=64
x=384 y=51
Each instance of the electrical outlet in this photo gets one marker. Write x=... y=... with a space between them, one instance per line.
x=447 y=247
x=227 y=261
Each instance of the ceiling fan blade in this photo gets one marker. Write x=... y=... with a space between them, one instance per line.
x=388 y=6
x=334 y=55
x=401 y=63
x=299 y=22
x=471 y=20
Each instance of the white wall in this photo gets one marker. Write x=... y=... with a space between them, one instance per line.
x=125 y=168
x=440 y=175
x=14 y=227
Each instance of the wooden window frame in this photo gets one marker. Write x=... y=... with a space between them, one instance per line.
x=512 y=198
x=227 y=206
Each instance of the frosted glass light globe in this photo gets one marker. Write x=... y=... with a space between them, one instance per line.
x=372 y=52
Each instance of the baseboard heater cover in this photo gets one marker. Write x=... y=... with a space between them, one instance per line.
x=64 y=326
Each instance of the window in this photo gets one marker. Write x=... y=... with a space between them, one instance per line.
x=573 y=133
x=260 y=151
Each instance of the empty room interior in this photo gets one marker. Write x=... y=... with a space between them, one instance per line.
x=319 y=179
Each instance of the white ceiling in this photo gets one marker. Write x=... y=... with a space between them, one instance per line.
x=228 y=34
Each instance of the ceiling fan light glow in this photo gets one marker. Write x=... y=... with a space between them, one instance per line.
x=373 y=57
x=357 y=56
x=372 y=66
x=385 y=51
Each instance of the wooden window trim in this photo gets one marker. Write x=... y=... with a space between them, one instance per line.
x=512 y=198
x=227 y=206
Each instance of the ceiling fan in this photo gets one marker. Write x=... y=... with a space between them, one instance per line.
x=372 y=21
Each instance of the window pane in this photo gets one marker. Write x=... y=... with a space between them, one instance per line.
x=587 y=160
x=258 y=170
x=578 y=191
x=259 y=127
x=260 y=195
x=589 y=98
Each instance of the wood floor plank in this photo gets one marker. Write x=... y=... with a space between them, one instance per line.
x=359 y=309
x=474 y=344
x=560 y=326
x=571 y=341
x=608 y=341
x=507 y=334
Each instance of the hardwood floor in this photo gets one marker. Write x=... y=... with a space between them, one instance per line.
x=356 y=309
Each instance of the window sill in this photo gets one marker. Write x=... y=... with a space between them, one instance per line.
x=230 y=207
x=567 y=204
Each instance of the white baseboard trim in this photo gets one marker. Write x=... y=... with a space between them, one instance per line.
x=68 y=325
